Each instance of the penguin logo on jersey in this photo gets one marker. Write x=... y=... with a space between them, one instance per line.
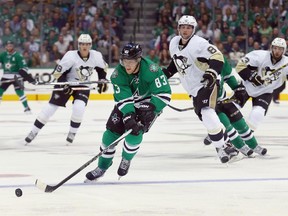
x=84 y=72
x=271 y=74
x=181 y=63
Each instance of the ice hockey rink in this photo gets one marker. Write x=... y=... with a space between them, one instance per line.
x=172 y=174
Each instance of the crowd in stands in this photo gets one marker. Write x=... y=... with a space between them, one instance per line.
x=43 y=31
x=226 y=26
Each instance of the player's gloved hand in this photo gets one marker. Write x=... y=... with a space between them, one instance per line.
x=67 y=90
x=240 y=95
x=102 y=87
x=256 y=80
x=209 y=78
x=146 y=114
x=130 y=122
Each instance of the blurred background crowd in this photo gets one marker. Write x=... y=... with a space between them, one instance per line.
x=44 y=30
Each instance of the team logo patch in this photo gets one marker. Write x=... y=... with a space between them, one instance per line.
x=114 y=74
x=181 y=63
x=8 y=65
x=153 y=68
x=115 y=119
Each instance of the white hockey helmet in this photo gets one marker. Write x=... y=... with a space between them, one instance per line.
x=85 y=38
x=188 y=20
x=279 y=42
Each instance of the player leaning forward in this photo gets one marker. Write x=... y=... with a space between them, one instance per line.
x=199 y=63
x=263 y=71
x=141 y=91
x=76 y=65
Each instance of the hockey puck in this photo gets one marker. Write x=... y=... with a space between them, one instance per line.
x=18 y=192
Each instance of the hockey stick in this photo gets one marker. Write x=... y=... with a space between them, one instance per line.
x=49 y=188
x=58 y=89
x=180 y=110
x=230 y=100
x=10 y=81
x=74 y=83
x=272 y=74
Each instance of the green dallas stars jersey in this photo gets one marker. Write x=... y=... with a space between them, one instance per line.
x=227 y=77
x=12 y=63
x=148 y=85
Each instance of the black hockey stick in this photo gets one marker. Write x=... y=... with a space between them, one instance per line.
x=180 y=110
x=230 y=100
x=49 y=188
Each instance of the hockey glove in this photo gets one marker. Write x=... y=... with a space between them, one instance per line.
x=102 y=87
x=146 y=115
x=256 y=80
x=26 y=76
x=67 y=90
x=240 y=95
x=130 y=122
x=209 y=78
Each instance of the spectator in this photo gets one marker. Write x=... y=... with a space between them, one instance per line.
x=236 y=54
x=265 y=44
x=61 y=45
x=205 y=33
x=152 y=56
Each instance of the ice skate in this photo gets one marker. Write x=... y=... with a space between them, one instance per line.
x=245 y=150
x=27 y=110
x=230 y=150
x=70 y=137
x=94 y=175
x=123 y=168
x=31 y=136
x=260 y=150
x=223 y=156
x=207 y=140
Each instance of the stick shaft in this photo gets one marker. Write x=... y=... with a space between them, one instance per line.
x=179 y=109
x=48 y=188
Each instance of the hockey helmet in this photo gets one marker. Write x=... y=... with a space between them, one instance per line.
x=279 y=42
x=131 y=51
x=188 y=20
x=84 y=38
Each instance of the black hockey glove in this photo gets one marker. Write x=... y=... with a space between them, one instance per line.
x=209 y=78
x=256 y=80
x=67 y=90
x=146 y=115
x=240 y=95
x=102 y=87
x=130 y=122
x=26 y=76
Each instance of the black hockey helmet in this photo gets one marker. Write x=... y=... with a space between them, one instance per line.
x=131 y=51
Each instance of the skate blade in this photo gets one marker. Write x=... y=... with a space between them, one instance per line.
x=87 y=181
x=236 y=158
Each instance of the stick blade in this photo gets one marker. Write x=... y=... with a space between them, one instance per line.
x=44 y=187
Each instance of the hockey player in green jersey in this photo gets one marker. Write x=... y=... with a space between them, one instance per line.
x=13 y=64
x=231 y=117
x=141 y=91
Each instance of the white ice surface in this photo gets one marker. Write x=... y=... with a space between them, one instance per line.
x=173 y=173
